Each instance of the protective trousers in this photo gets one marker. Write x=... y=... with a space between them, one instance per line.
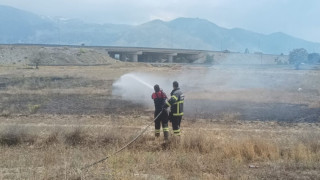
x=176 y=120
x=161 y=120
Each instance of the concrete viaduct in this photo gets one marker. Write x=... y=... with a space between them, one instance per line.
x=141 y=54
x=135 y=54
x=166 y=55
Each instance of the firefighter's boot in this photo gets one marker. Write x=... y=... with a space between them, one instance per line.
x=166 y=135
x=166 y=132
x=157 y=133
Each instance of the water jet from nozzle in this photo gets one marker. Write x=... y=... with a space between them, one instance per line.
x=139 y=80
x=134 y=87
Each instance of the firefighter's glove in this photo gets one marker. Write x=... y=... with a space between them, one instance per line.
x=165 y=106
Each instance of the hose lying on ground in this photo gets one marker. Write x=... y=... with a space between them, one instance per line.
x=116 y=152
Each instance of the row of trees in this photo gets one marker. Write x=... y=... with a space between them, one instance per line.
x=301 y=56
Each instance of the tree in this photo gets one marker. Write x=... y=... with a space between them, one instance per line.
x=37 y=58
x=314 y=58
x=298 y=56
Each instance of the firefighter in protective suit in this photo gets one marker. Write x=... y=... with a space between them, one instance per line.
x=159 y=98
x=176 y=106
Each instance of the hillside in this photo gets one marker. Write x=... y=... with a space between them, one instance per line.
x=24 y=55
x=17 y=26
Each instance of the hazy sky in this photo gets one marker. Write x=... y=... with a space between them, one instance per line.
x=299 y=18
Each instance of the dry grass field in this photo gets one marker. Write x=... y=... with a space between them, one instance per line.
x=240 y=123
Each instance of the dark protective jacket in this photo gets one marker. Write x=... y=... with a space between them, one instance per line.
x=176 y=102
x=159 y=99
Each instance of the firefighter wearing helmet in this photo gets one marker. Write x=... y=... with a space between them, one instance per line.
x=176 y=106
x=159 y=98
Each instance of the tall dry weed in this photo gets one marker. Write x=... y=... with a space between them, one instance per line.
x=76 y=137
x=16 y=135
x=111 y=137
x=246 y=150
x=198 y=142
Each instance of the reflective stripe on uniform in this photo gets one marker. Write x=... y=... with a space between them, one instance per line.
x=174 y=97
x=165 y=129
x=178 y=102
x=176 y=114
x=178 y=109
x=177 y=132
x=157 y=131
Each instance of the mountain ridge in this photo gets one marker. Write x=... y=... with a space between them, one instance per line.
x=18 y=26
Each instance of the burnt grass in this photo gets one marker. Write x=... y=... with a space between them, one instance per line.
x=38 y=83
x=78 y=104
x=75 y=104
x=283 y=112
x=57 y=103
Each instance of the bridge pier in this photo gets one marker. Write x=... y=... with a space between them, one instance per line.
x=134 y=56
x=170 y=57
x=123 y=57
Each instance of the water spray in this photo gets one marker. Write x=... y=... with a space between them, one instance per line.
x=138 y=80
x=135 y=87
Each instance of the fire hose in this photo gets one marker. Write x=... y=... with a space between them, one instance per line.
x=122 y=148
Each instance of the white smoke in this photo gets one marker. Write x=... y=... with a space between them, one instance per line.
x=138 y=87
